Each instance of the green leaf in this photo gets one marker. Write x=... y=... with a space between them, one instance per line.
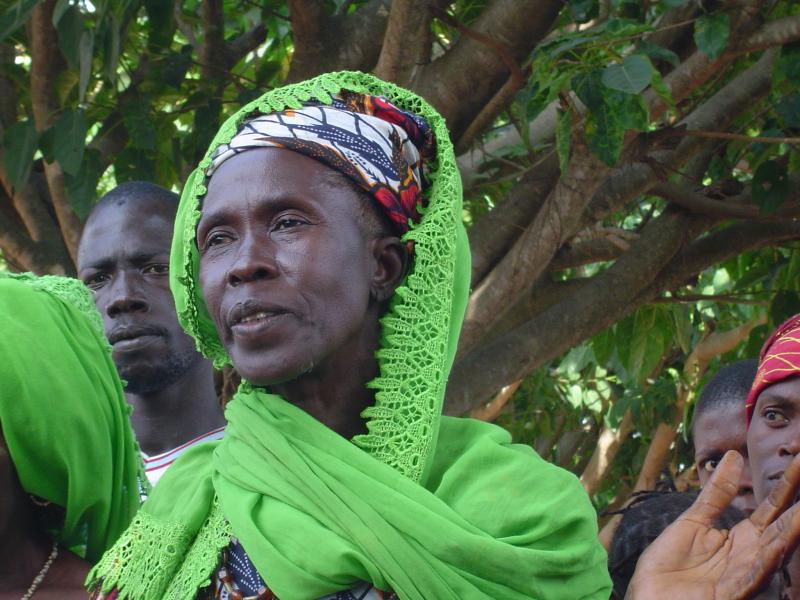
x=756 y=340
x=661 y=89
x=70 y=28
x=20 y=142
x=603 y=346
x=175 y=65
x=583 y=10
x=631 y=110
x=59 y=10
x=65 y=141
x=642 y=337
x=770 y=186
x=630 y=76
x=788 y=109
x=82 y=187
x=590 y=89
x=787 y=66
x=711 y=34
x=139 y=123
x=15 y=17
x=563 y=134
x=784 y=305
x=160 y=21
x=85 y=54
x=682 y=322
x=674 y=3
x=656 y=52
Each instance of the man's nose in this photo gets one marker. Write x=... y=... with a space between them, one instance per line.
x=126 y=295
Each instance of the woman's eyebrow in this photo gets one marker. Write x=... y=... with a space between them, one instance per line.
x=213 y=218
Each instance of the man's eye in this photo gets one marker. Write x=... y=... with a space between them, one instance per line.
x=96 y=281
x=157 y=269
x=288 y=223
x=710 y=465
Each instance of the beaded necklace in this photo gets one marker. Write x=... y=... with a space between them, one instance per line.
x=37 y=581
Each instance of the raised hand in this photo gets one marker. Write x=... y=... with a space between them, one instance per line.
x=693 y=560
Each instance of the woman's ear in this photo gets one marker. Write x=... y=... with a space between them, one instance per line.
x=391 y=260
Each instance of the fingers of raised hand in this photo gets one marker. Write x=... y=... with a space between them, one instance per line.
x=718 y=493
x=776 y=542
x=781 y=496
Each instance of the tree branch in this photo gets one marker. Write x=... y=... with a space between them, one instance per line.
x=557 y=220
x=603 y=300
x=404 y=45
x=737 y=207
x=584 y=253
x=212 y=50
x=495 y=232
x=631 y=180
x=342 y=42
x=46 y=64
x=774 y=33
x=492 y=409
x=462 y=81
x=608 y=444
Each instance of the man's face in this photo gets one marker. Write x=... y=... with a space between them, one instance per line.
x=774 y=434
x=716 y=431
x=124 y=257
x=285 y=268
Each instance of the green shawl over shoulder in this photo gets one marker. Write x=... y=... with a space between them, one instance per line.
x=428 y=506
x=62 y=411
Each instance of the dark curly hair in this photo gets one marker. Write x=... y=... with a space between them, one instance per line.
x=643 y=520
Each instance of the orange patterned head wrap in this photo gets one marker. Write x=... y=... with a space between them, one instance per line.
x=779 y=360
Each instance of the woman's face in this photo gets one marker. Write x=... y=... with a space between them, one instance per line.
x=773 y=438
x=285 y=269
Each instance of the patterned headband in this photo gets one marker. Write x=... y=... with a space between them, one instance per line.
x=381 y=148
x=779 y=360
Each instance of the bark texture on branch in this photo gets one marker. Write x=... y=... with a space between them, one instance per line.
x=462 y=81
x=603 y=300
x=557 y=220
x=406 y=43
x=46 y=64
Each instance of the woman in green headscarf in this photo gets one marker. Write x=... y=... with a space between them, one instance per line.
x=319 y=249
x=69 y=464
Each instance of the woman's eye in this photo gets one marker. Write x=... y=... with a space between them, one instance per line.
x=216 y=239
x=774 y=416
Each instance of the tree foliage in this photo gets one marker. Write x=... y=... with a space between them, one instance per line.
x=630 y=174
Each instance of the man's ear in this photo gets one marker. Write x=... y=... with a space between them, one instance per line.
x=391 y=260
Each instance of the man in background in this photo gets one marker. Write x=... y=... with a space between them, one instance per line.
x=719 y=425
x=123 y=257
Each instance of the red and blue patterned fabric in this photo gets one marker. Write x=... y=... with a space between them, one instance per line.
x=379 y=147
x=779 y=360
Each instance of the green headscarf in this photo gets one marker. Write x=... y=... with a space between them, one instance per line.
x=62 y=411
x=428 y=506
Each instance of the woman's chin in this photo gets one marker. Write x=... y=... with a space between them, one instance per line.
x=261 y=374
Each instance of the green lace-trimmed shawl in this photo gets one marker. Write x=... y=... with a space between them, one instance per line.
x=62 y=411
x=427 y=506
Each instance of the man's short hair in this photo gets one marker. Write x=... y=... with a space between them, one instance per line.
x=729 y=386
x=135 y=191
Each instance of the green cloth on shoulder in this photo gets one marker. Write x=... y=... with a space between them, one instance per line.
x=62 y=411
x=427 y=506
